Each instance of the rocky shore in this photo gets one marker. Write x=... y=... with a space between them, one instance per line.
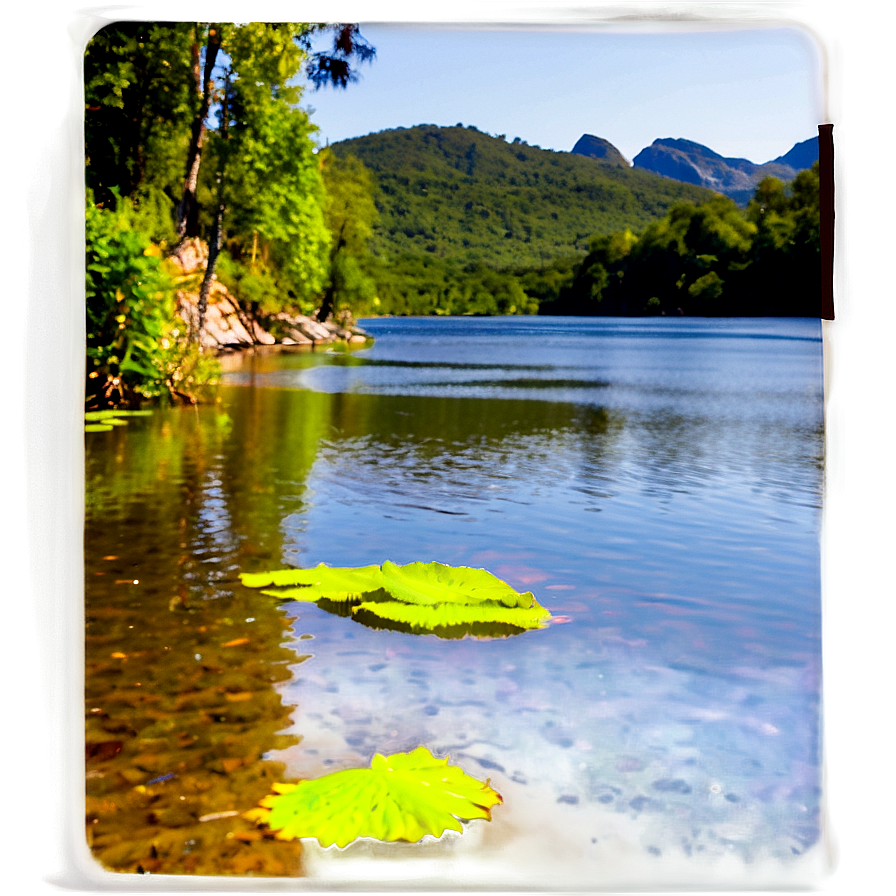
x=228 y=328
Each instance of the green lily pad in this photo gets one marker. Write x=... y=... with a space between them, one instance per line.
x=432 y=617
x=322 y=581
x=448 y=601
x=104 y=421
x=405 y=796
x=436 y=583
x=92 y=416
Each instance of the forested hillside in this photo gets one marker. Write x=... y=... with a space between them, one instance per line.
x=462 y=212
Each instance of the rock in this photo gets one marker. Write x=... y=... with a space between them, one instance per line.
x=189 y=256
x=227 y=328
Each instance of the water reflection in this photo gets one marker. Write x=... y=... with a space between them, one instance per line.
x=180 y=670
x=661 y=500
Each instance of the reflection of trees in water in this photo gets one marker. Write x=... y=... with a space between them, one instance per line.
x=181 y=664
x=439 y=451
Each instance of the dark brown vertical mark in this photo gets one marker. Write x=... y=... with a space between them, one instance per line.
x=826 y=200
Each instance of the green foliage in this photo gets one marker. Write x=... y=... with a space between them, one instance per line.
x=136 y=346
x=404 y=796
x=274 y=187
x=435 y=583
x=254 y=283
x=350 y=214
x=348 y=583
x=144 y=99
x=710 y=259
x=445 y=600
x=139 y=97
x=456 y=203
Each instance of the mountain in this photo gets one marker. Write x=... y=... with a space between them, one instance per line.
x=466 y=197
x=693 y=163
x=802 y=156
x=598 y=148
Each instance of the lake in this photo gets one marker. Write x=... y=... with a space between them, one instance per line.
x=656 y=483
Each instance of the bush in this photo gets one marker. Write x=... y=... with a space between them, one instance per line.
x=137 y=349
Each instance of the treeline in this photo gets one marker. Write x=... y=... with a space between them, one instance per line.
x=193 y=130
x=710 y=259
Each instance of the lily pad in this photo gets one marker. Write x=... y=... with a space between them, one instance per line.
x=405 y=796
x=335 y=583
x=105 y=421
x=104 y=415
x=448 y=601
x=436 y=583
x=432 y=617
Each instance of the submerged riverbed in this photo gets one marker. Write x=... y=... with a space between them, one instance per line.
x=656 y=483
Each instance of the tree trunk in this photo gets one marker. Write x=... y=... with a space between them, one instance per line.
x=326 y=305
x=214 y=249
x=217 y=232
x=187 y=210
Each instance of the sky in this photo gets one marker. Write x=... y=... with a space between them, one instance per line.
x=743 y=93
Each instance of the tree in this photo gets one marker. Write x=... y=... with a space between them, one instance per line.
x=265 y=150
x=288 y=48
x=350 y=214
x=275 y=196
x=787 y=248
x=205 y=85
x=138 y=104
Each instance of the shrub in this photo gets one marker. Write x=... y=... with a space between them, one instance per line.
x=137 y=349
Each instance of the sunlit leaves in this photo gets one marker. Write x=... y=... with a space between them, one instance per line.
x=449 y=601
x=404 y=796
x=322 y=581
x=435 y=583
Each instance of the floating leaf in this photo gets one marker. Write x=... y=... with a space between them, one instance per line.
x=103 y=415
x=105 y=421
x=404 y=796
x=436 y=583
x=449 y=601
x=322 y=581
x=432 y=617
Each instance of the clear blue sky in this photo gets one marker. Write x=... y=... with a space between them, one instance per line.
x=744 y=93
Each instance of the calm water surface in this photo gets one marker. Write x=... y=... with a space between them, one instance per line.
x=656 y=483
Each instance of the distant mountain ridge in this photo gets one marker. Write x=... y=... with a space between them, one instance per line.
x=598 y=148
x=693 y=163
